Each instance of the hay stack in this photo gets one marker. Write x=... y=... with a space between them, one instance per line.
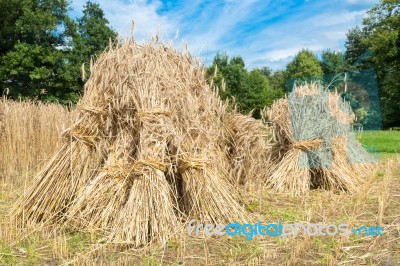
x=249 y=148
x=314 y=143
x=149 y=148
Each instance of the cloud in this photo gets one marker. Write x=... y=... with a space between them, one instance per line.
x=280 y=54
x=361 y=2
x=147 y=21
x=278 y=42
x=343 y=18
x=264 y=33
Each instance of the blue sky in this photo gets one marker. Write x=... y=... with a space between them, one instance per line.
x=265 y=33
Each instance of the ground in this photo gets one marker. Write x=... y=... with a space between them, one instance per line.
x=376 y=204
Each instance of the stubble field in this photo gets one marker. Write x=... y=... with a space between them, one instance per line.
x=29 y=133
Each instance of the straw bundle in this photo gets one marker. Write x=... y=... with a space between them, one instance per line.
x=249 y=151
x=148 y=148
x=1 y=118
x=314 y=144
x=203 y=165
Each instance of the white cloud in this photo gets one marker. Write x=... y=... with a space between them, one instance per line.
x=343 y=18
x=326 y=29
x=279 y=54
x=144 y=14
x=264 y=33
x=218 y=25
x=362 y=2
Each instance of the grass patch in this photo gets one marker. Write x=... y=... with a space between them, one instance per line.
x=283 y=215
x=171 y=244
x=253 y=206
x=7 y=255
x=240 y=249
x=382 y=141
x=149 y=261
x=78 y=242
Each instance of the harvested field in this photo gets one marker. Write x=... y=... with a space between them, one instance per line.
x=151 y=146
x=148 y=148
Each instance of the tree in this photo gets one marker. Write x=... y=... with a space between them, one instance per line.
x=251 y=90
x=356 y=50
x=383 y=39
x=42 y=49
x=334 y=67
x=91 y=35
x=32 y=58
x=383 y=25
x=304 y=66
x=233 y=74
x=9 y=13
x=94 y=32
x=266 y=72
x=236 y=79
x=277 y=81
x=332 y=62
x=259 y=93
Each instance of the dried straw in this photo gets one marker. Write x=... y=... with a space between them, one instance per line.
x=312 y=130
x=249 y=149
x=148 y=149
x=2 y=118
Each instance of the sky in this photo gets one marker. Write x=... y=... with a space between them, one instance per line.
x=264 y=33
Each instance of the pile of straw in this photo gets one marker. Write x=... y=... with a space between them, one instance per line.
x=314 y=145
x=1 y=118
x=151 y=147
x=249 y=147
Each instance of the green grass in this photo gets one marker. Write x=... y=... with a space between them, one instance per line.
x=7 y=255
x=78 y=242
x=382 y=141
x=285 y=215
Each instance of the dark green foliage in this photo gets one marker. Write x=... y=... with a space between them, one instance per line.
x=260 y=93
x=356 y=50
x=332 y=62
x=94 y=34
x=32 y=55
x=9 y=13
x=42 y=49
x=383 y=25
x=251 y=90
x=377 y=46
x=278 y=81
x=304 y=65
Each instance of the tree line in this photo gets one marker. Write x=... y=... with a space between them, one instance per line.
x=42 y=50
x=367 y=73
